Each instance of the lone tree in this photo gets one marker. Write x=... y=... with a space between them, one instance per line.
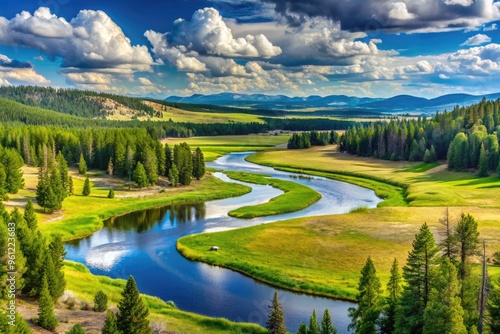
x=46 y=316
x=86 y=187
x=132 y=313
x=326 y=324
x=82 y=165
x=100 y=301
x=276 y=322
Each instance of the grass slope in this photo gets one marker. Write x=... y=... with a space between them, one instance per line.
x=295 y=198
x=85 y=285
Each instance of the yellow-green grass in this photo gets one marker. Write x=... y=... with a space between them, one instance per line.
x=83 y=215
x=434 y=187
x=296 y=197
x=324 y=255
x=85 y=285
x=217 y=146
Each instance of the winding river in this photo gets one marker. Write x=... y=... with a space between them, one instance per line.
x=142 y=244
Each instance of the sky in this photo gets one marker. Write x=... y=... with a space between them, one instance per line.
x=374 y=48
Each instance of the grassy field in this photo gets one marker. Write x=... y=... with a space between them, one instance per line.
x=323 y=255
x=295 y=198
x=214 y=147
x=85 y=285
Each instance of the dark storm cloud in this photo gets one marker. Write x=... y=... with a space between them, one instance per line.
x=396 y=15
x=12 y=63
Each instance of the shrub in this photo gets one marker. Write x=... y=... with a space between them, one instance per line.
x=100 y=301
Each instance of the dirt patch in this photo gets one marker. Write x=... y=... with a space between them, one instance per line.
x=437 y=169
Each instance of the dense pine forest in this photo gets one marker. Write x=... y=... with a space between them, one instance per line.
x=468 y=137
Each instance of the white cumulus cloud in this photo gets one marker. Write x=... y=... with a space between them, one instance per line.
x=476 y=40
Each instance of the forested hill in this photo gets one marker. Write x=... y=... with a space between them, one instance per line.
x=468 y=137
x=75 y=102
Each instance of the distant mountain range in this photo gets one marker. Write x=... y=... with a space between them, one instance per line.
x=400 y=103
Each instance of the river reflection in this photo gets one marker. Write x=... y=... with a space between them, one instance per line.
x=142 y=244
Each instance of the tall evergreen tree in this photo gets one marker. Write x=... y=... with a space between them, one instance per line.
x=30 y=216
x=327 y=326
x=302 y=328
x=82 y=165
x=198 y=164
x=35 y=257
x=275 y=322
x=173 y=176
x=483 y=162
x=63 y=169
x=448 y=242
x=110 y=325
x=86 y=187
x=394 y=290
x=313 y=324
x=71 y=187
x=3 y=183
x=132 y=313
x=444 y=314
x=46 y=316
x=418 y=276
x=139 y=176
x=12 y=163
x=169 y=159
x=494 y=308
x=364 y=318
x=57 y=252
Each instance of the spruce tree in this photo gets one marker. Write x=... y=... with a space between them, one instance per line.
x=364 y=318
x=82 y=165
x=76 y=329
x=30 y=216
x=110 y=325
x=111 y=193
x=46 y=316
x=483 y=162
x=313 y=324
x=50 y=274
x=22 y=326
x=86 y=187
x=63 y=169
x=173 y=176
x=169 y=159
x=302 y=328
x=326 y=324
x=494 y=308
x=100 y=302
x=132 y=313
x=418 y=276
x=139 y=176
x=198 y=164
x=57 y=253
x=444 y=314
x=12 y=163
x=71 y=187
x=35 y=261
x=275 y=322
x=394 y=290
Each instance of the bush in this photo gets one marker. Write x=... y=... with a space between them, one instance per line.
x=77 y=329
x=496 y=258
x=111 y=193
x=100 y=301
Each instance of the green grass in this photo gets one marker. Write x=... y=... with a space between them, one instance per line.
x=85 y=285
x=295 y=198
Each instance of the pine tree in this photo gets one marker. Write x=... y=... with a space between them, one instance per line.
x=483 y=162
x=302 y=328
x=30 y=216
x=198 y=164
x=3 y=183
x=82 y=165
x=111 y=193
x=110 y=326
x=76 y=329
x=169 y=159
x=326 y=324
x=433 y=157
x=313 y=324
x=494 y=308
x=57 y=253
x=86 y=187
x=46 y=316
x=394 y=290
x=417 y=273
x=50 y=274
x=427 y=156
x=139 y=176
x=35 y=257
x=63 y=169
x=173 y=176
x=364 y=317
x=448 y=242
x=132 y=313
x=100 y=302
x=444 y=314
x=22 y=326
x=275 y=322
x=12 y=163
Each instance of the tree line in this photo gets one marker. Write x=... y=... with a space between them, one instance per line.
x=312 y=138
x=458 y=136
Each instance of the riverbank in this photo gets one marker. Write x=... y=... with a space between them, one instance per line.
x=295 y=198
x=323 y=255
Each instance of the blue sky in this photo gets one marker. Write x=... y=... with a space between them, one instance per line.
x=377 y=48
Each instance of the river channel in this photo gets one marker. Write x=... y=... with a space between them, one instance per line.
x=142 y=244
